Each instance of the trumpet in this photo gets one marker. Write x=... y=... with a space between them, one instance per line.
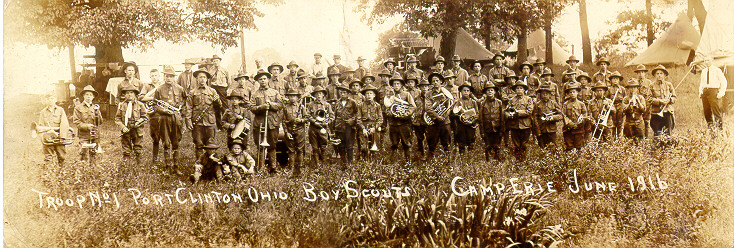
x=548 y=116
x=163 y=106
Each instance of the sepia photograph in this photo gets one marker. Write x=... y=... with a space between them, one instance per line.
x=368 y=123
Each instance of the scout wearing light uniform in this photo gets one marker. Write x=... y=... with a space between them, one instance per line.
x=518 y=114
x=234 y=114
x=572 y=71
x=596 y=105
x=345 y=121
x=461 y=74
x=369 y=120
x=548 y=79
x=277 y=79
x=295 y=117
x=575 y=115
x=150 y=86
x=186 y=78
x=615 y=81
x=441 y=129
x=644 y=90
x=477 y=80
x=548 y=114
x=130 y=117
x=318 y=139
x=201 y=117
x=508 y=92
x=603 y=74
x=86 y=117
x=634 y=106
x=54 y=129
x=465 y=132
x=131 y=71
x=662 y=98
x=527 y=76
x=243 y=84
x=264 y=100
x=400 y=132
x=238 y=162
x=219 y=82
x=318 y=67
x=165 y=125
x=491 y=122
x=711 y=89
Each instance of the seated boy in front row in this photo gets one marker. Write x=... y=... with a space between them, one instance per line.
x=239 y=163
x=236 y=164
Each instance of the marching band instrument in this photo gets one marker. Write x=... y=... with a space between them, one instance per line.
x=242 y=128
x=510 y=110
x=603 y=119
x=548 y=116
x=400 y=110
x=163 y=106
x=469 y=117
x=264 y=131
x=323 y=119
x=51 y=136
x=373 y=132
x=439 y=107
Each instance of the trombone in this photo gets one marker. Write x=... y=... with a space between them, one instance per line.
x=603 y=119
x=263 y=141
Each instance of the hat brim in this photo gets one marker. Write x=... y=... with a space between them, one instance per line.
x=572 y=60
x=620 y=77
x=372 y=77
x=262 y=74
x=488 y=87
x=439 y=61
x=527 y=65
x=603 y=61
x=655 y=70
x=544 y=90
x=389 y=62
x=520 y=85
x=241 y=77
x=600 y=87
x=498 y=55
x=292 y=94
x=270 y=68
x=392 y=81
x=547 y=74
x=365 y=91
x=338 y=87
x=196 y=74
x=430 y=77
x=317 y=91
x=81 y=94
x=574 y=88
x=583 y=76
x=125 y=91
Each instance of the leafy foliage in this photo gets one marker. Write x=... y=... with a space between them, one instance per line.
x=620 y=44
x=134 y=23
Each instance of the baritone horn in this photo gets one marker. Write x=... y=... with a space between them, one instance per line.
x=439 y=107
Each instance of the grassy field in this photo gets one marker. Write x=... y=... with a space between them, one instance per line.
x=413 y=203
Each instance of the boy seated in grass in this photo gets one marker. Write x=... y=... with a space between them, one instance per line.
x=208 y=166
x=238 y=162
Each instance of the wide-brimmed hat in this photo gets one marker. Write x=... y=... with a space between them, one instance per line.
x=349 y=70
x=489 y=85
x=572 y=86
x=384 y=72
x=130 y=88
x=337 y=56
x=318 y=89
x=301 y=73
x=189 y=61
x=341 y=86
x=411 y=77
x=520 y=83
x=334 y=71
x=547 y=72
x=600 y=84
x=262 y=73
x=275 y=64
x=317 y=54
x=511 y=74
x=360 y=58
x=356 y=81
x=432 y=75
x=465 y=85
x=292 y=92
x=498 y=55
x=632 y=83
x=424 y=82
x=616 y=74
x=389 y=60
x=526 y=64
x=572 y=58
x=411 y=59
x=292 y=63
x=456 y=58
x=640 y=68
x=369 y=88
x=211 y=146
x=545 y=87
x=439 y=59
x=241 y=75
x=208 y=75
x=396 y=78
x=583 y=75
x=539 y=61
x=90 y=89
x=126 y=64
x=368 y=75
x=216 y=57
x=448 y=74
x=168 y=70
x=602 y=60
x=660 y=68
x=236 y=93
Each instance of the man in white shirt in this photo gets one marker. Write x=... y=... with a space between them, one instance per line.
x=317 y=65
x=711 y=90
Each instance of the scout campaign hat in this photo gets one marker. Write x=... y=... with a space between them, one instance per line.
x=640 y=68
x=318 y=89
x=236 y=93
x=539 y=61
x=292 y=92
x=544 y=87
x=489 y=85
x=511 y=75
x=396 y=78
x=411 y=59
x=660 y=68
x=616 y=74
x=274 y=64
x=262 y=73
x=571 y=86
x=334 y=71
x=465 y=85
x=341 y=86
x=301 y=73
x=599 y=85
x=388 y=61
x=126 y=64
x=241 y=75
x=632 y=83
x=602 y=60
x=130 y=88
x=500 y=55
x=356 y=81
x=208 y=76
x=349 y=70
x=369 y=88
x=526 y=64
x=168 y=70
x=360 y=58
x=449 y=74
x=368 y=75
x=189 y=61
x=456 y=58
x=411 y=77
x=384 y=72
x=216 y=57
x=211 y=146
x=520 y=83
x=292 y=64
x=439 y=59
x=440 y=77
x=572 y=58
x=547 y=72
x=90 y=89
x=583 y=75
x=424 y=82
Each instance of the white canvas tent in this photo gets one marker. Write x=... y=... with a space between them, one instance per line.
x=717 y=38
x=536 y=48
x=672 y=47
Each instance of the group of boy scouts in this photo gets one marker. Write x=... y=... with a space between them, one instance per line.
x=352 y=109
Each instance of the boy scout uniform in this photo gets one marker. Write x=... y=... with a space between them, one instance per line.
x=87 y=117
x=295 y=117
x=465 y=132
x=547 y=115
x=400 y=132
x=131 y=114
x=634 y=106
x=369 y=119
x=318 y=138
x=346 y=111
x=441 y=128
x=477 y=80
x=166 y=124
x=201 y=115
x=54 y=141
x=661 y=118
x=461 y=74
x=532 y=81
x=617 y=93
x=575 y=116
x=266 y=100
x=233 y=116
x=491 y=123
x=597 y=105
x=520 y=122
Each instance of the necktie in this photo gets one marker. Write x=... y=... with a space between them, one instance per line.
x=128 y=111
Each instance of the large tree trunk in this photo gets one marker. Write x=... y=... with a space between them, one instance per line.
x=648 y=22
x=448 y=44
x=103 y=54
x=548 y=42
x=585 y=41
x=487 y=24
x=522 y=42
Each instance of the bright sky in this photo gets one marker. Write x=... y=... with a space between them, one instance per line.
x=296 y=29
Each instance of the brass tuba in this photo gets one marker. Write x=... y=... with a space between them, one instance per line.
x=439 y=107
